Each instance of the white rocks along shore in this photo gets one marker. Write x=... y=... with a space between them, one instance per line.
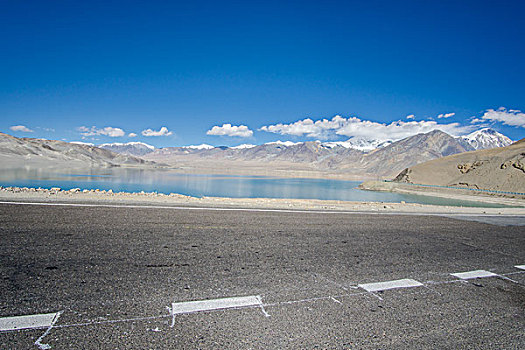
x=76 y=195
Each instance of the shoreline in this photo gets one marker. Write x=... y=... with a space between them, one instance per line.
x=448 y=193
x=57 y=195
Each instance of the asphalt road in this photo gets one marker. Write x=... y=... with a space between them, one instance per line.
x=112 y=273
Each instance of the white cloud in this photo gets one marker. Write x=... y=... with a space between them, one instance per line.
x=46 y=129
x=318 y=129
x=107 y=131
x=132 y=134
x=230 y=130
x=355 y=127
x=21 y=128
x=446 y=115
x=411 y=116
x=162 y=132
x=512 y=117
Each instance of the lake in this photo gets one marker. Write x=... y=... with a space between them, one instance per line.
x=166 y=181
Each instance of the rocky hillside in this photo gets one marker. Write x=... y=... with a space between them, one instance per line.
x=413 y=150
x=130 y=148
x=48 y=153
x=497 y=169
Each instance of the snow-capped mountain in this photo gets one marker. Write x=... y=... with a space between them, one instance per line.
x=283 y=143
x=243 y=146
x=485 y=138
x=200 y=147
x=480 y=139
x=360 y=144
x=130 y=148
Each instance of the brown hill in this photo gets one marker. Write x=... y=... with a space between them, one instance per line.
x=497 y=169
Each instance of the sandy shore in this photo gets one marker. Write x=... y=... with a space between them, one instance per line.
x=109 y=197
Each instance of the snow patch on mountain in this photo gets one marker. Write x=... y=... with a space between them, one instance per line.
x=283 y=143
x=360 y=144
x=244 y=146
x=201 y=146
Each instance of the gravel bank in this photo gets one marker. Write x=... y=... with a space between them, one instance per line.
x=173 y=199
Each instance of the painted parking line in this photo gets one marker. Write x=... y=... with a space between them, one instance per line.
x=521 y=267
x=215 y=304
x=474 y=274
x=28 y=321
x=379 y=286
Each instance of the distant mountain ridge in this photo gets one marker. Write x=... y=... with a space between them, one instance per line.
x=373 y=158
x=16 y=152
x=348 y=159
x=481 y=139
x=130 y=148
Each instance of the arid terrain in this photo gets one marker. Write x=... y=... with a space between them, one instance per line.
x=498 y=169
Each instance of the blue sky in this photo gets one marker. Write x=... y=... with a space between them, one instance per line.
x=97 y=71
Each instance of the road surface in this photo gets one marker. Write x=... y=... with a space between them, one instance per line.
x=149 y=278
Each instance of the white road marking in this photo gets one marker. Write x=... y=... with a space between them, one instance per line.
x=214 y=304
x=38 y=342
x=335 y=300
x=379 y=286
x=521 y=267
x=376 y=296
x=27 y=321
x=474 y=274
x=235 y=302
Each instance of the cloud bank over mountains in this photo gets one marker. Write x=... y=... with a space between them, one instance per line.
x=111 y=131
x=334 y=129
x=355 y=127
x=107 y=131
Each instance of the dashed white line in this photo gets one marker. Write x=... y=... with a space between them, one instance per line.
x=27 y=321
x=474 y=274
x=379 y=286
x=521 y=267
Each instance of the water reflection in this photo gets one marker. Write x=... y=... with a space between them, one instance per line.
x=166 y=181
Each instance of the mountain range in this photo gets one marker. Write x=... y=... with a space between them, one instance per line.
x=481 y=139
x=352 y=159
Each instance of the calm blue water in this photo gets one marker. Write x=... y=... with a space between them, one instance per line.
x=165 y=181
